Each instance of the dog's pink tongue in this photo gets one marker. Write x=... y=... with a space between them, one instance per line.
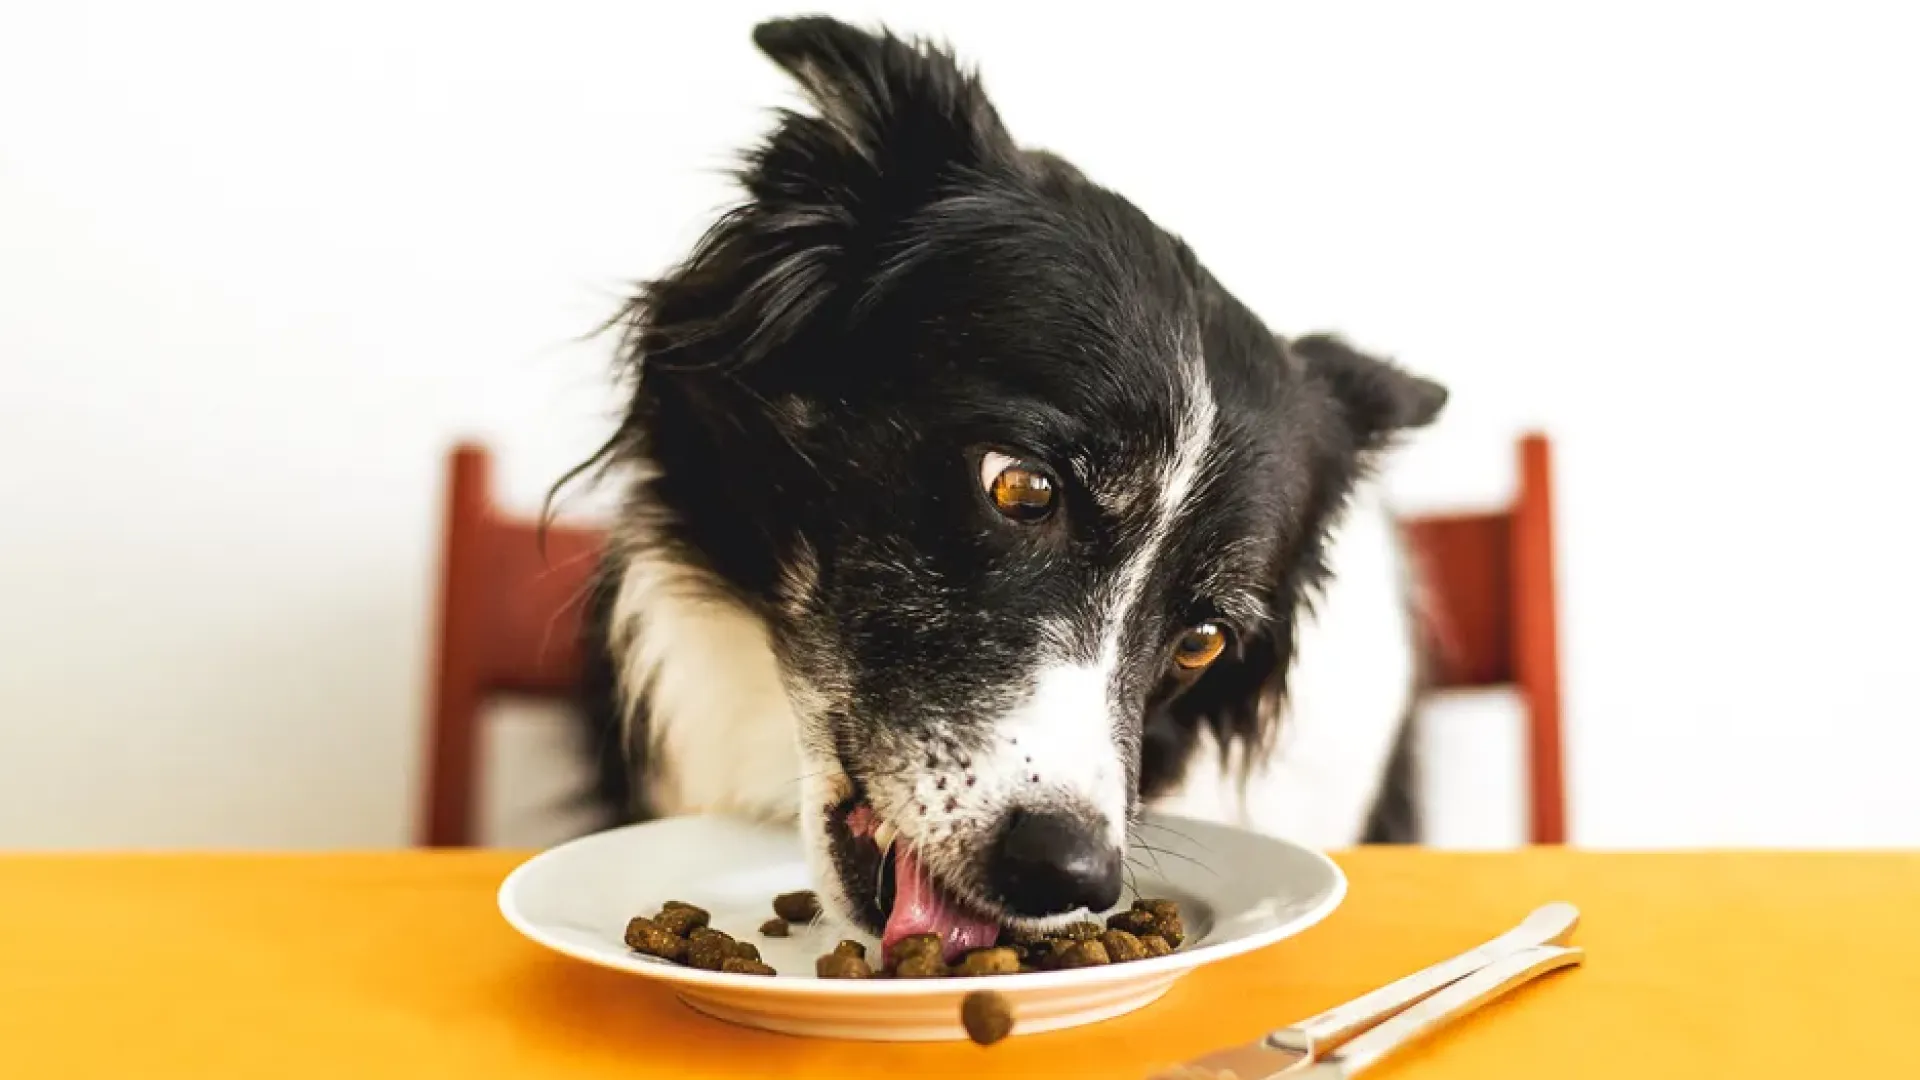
x=919 y=907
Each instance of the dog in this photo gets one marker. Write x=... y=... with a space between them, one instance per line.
x=967 y=515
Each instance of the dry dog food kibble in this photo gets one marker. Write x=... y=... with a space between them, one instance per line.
x=681 y=932
x=646 y=936
x=841 y=966
x=997 y=961
x=987 y=1016
x=680 y=919
x=1122 y=946
x=709 y=949
x=916 y=945
x=1159 y=909
x=1081 y=954
x=1157 y=917
x=797 y=907
x=921 y=966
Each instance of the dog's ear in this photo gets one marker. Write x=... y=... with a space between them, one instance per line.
x=906 y=109
x=1378 y=397
x=898 y=123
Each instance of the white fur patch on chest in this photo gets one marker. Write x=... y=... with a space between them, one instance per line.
x=721 y=729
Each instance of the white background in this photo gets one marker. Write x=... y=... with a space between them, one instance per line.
x=260 y=264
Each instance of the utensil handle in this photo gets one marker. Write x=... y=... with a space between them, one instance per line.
x=1495 y=980
x=1551 y=924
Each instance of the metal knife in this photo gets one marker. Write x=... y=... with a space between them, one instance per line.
x=1294 y=1049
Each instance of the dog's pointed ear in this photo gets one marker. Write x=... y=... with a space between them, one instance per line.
x=1379 y=397
x=907 y=109
x=898 y=122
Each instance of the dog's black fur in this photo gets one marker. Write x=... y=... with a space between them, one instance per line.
x=901 y=290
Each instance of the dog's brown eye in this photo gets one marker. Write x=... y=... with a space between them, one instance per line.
x=1020 y=491
x=1200 y=647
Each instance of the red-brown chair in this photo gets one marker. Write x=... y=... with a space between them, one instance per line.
x=509 y=623
x=1492 y=609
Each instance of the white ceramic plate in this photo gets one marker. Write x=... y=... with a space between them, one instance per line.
x=1237 y=891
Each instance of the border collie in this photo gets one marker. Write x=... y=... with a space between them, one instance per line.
x=969 y=514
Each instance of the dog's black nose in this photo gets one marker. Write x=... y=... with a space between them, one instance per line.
x=1048 y=863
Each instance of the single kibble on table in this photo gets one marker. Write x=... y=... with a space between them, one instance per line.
x=840 y=966
x=740 y=966
x=987 y=1016
x=1082 y=954
x=802 y=906
x=678 y=918
x=851 y=948
x=920 y=966
x=996 y=961
x=645 y=936
x=1154 y=944
x=1122 y=946
x=774 y=928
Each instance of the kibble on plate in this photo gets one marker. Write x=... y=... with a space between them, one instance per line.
x=987 y=1016
x=994 y=961
x=1151 y=917
x=710 y=949
x=646 y=936
x=681 y=932
x=915 y=945
x=921 y=966
x=680 y=919
x=1122 y=946
x=740 y=966
x=797 y=907
x=836 y=965
x=1159 y=909
x=1081 y=954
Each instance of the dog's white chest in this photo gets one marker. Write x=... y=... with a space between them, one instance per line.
x=721 y=730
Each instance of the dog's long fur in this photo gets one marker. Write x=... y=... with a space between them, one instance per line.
x=809 y=603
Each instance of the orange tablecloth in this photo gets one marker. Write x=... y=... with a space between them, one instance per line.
x=357 y=966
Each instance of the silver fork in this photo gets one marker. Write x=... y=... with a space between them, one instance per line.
x=1381 y=1021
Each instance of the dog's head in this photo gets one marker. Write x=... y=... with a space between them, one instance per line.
x=1003 y=469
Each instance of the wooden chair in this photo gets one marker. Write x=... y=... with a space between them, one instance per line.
x=509 y=623
x=1491 y=607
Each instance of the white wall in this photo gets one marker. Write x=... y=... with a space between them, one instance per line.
x=258 y=268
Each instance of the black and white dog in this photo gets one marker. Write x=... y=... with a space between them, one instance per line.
x=970 y=514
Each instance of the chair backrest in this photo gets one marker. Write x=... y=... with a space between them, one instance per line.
x=509 y=623
x=510 y=612
x=1491 y=608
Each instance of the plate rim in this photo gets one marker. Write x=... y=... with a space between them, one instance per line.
x=1175 y=963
